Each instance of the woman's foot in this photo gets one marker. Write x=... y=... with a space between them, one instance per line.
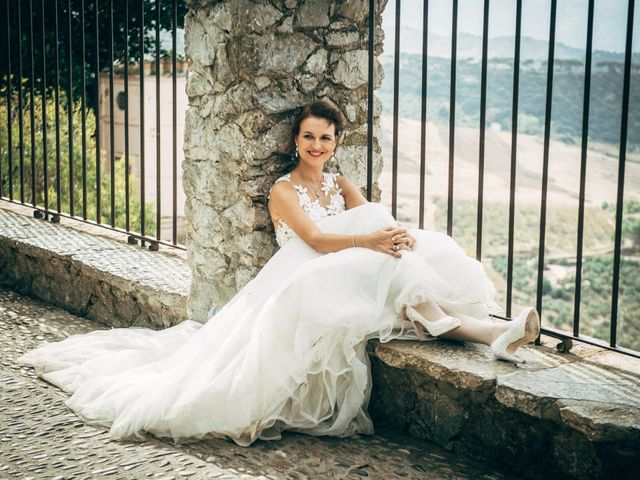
x=435 y=328
x=524 y=329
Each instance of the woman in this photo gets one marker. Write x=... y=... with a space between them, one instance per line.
x=288 y=351
x=307 y=194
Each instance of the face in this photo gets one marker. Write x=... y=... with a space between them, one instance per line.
x=317 y=140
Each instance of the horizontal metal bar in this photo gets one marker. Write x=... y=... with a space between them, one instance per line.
x=561 y=335
x=552 y=332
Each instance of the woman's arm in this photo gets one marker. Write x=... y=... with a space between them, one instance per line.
x=354 y=198
x=283 y=204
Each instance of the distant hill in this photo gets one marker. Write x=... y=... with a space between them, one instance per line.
x=470 y=46
x=606 y=94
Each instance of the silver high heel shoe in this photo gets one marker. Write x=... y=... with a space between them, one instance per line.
x=525 y=329
x=435 y=328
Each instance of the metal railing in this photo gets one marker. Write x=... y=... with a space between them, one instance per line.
x=72 y=65
x=565 y=336
x=65 y=59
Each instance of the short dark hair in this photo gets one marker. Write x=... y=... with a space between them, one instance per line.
x=319 y=109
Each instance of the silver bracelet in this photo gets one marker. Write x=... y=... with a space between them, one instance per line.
x=353 y=240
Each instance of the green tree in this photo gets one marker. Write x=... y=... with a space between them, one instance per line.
x=54 y=172
x=126 y=17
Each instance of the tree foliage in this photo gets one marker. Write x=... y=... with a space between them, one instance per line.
x=566 y=121
x=58 y=165
x=73 y=26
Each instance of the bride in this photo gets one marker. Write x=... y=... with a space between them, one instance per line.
x=288 y=351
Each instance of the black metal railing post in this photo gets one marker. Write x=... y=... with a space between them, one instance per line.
x=70 y=108
x=483 y=121
x=142 y=104
x=32 y=113
x=56 y=40
x=583 y=168
x=9 y=103
x=112 y=138
x=83 y=111
x=371 y=81
x=45 y=153
x=621 y=167
x=545 y=160
x=396 y=91
x=452 y=114
x=96 y=6
x=127 y=187
x=174 y=111
x=158 y=126
x=423 y=112
x=20 y=113
x=514 y=152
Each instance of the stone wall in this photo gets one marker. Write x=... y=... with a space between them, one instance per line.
x=253 y=64
x=554 y=418
x=78 y=269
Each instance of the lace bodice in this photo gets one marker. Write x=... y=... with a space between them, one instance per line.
x=330 y=190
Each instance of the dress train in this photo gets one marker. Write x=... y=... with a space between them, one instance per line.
x=286 y=353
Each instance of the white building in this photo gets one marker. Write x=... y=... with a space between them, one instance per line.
x=150 y=136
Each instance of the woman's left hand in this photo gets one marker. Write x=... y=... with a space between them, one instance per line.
x=404 y=241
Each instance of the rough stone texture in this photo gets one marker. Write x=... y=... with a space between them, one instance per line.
x=100 y=278
x=40 y=438
x=574 y=415
x=253 y=64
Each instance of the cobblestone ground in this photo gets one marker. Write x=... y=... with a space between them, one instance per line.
x=41 y=438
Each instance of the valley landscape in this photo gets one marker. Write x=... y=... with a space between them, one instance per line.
x=601 y=184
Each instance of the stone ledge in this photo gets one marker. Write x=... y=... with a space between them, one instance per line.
x=92 y=275
x=571 y=415
x=565 y=415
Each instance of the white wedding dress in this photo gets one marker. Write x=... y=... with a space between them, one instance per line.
x=286 y=353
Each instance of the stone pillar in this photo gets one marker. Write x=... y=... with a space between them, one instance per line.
x=253 y=63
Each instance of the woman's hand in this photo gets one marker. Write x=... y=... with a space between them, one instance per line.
x=404 y=241
x=388 y=240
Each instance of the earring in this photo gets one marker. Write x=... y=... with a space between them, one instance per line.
x=296 y=155
x=333 y=157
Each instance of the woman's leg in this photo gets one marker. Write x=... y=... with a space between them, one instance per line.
x=470 y=329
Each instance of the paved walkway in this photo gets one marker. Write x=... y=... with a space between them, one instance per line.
x=41 y=438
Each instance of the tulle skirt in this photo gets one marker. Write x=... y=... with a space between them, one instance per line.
x=286 y=353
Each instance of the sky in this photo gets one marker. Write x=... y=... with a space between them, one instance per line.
x=610 y=18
